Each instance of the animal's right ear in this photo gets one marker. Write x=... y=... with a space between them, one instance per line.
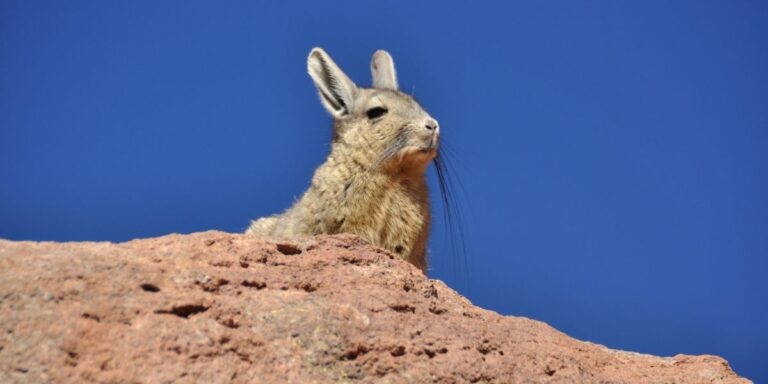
x=337 y=91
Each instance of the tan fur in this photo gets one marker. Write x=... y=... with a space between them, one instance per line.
x=372 y=183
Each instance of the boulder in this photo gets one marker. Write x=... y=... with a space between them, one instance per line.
x=215 y=307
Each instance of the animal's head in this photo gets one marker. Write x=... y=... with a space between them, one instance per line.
x=388 y=126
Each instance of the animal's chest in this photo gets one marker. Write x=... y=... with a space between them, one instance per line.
x=390 y=215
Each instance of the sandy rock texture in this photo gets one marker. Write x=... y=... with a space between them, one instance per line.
x=214 y=307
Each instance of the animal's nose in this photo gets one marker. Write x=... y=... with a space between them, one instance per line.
x=431 y=125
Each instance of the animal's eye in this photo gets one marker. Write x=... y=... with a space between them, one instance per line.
x=376 y=112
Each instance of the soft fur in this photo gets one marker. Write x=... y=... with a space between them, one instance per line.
x=373 y=182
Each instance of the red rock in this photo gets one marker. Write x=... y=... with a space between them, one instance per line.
x=215 y=307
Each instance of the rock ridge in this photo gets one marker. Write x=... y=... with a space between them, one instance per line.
x=216 y=307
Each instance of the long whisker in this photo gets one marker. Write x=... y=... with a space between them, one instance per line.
x=452 y=212
x=448 y=155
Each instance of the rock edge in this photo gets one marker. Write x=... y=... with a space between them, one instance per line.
x=217 y=307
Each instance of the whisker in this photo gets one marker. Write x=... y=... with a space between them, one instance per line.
x=452 y=212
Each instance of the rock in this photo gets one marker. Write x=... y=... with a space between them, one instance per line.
x=214 y=307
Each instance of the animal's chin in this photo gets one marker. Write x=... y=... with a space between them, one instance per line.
x=431 y=152
x=419 y=154
x=411 y=160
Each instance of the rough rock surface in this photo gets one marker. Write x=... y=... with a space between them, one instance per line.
x=215 y=307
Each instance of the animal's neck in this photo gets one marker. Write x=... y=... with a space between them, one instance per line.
x=363 y=165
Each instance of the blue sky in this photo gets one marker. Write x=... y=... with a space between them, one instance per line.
x=611 y=155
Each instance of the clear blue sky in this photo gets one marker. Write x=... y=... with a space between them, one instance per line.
x=612 y=154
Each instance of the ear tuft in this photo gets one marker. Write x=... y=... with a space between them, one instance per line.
x=337 y=91
x=383 y=71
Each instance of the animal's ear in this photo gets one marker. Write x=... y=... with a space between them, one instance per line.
x=337 y=91
x=383 y=71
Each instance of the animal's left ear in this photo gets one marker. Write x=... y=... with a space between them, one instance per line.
x=383 y=71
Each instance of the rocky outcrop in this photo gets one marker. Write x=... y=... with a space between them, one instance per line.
x=214 y=307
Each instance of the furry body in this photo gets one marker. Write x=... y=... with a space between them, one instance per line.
x=372 y=184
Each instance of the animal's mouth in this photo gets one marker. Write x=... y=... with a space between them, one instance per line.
x=434 y=142
x=429 y=150
x=413 y=150
x=421 y=152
